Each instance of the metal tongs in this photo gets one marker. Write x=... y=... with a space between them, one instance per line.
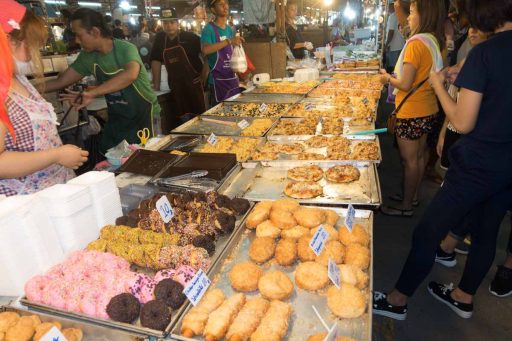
x=193 y=142
x=191 y=175
x=194 y=180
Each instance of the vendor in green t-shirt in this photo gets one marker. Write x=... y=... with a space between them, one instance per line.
x=121 y=76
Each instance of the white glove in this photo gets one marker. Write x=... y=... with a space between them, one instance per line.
x=308 y=45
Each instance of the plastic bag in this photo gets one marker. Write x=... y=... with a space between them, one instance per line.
x=238 y=60
x=250 y=68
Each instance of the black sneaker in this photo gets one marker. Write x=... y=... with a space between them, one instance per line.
x=444 y=258
x=442 y=293
x=501 y=285
x=463 y=247
x=383 y=308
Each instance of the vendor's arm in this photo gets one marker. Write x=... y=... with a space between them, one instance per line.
x=157 y=59
x=156 y=71
x=18 y=164
x=63 y=80
x=209 y=44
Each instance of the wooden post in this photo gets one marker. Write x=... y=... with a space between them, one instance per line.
x=280 y=20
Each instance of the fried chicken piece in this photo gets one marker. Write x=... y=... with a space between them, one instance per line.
x=247 y=319
x=195 y=320
x=274 y=325
x=220 y=319
x=286 y=252
x=357 y=255
x=346 y=302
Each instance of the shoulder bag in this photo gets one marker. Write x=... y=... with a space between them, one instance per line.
x=391 y=123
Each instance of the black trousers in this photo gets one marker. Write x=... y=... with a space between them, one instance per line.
x=477 y=187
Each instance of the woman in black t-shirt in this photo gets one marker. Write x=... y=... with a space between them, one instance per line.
x=478 y=184
x=293 y=36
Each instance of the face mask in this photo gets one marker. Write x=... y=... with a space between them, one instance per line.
x=23 y=68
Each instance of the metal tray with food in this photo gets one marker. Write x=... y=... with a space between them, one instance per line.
x=258 y=110
x=300 y=289
x=334 y=93
x=146 y=162
x=319 y=148
x=248 y=97
x=359 y=187
x=71 y=329
x=226 y=125
x=243 y=147
x=315 y=107
x=306 y=126
x=285 y=87
x=136 y=328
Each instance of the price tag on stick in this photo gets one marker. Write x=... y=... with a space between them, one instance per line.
x=197 y=287
x=165 y=209
x=349 y=219
x=333 y=271
x=212 y=139
x=318 y=241
x=263 y=107
x=243 y=124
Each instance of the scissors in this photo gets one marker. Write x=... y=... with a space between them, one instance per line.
x=143 y=136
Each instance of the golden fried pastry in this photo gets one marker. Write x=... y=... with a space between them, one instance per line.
x=244 y=276
x=30 y=320
x=357 y=255
x=262 y=249
x=20 y=332
x=358 y=235
x=331 y=217
x=317 y=337
x=8 y=319
x=282 y=219
x=73 y=334
x=43 y=328
x=247 y=319
x=311 y=276
x=256 y=217
x=309 y=217
x=344 y=338
x=286 y=252
x=304 y=252
x=346 y=302
x=220 y=319
x=265 y=156
x=267 y=229
x=286 y=204
x=352 y=275
x=2 y=336
x=334 y=250
x=274 y=325
x=333 y=233
x=295 y=232
x=195 y=320
x=266 y=205
x=275 y=285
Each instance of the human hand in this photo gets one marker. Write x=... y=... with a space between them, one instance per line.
x=237 y=40
x=70 y=156
x=437 y=78
x=452 y=73
x=77 y=99
x=308 y=45
x=385 y=77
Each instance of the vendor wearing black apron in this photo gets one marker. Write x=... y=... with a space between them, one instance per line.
x=294 y=38
x=180 y=52
x=217 y=41
x=118 y=69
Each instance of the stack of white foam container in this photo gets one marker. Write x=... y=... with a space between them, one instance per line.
x=29 y=244
x=106 y=201
x=72 y=214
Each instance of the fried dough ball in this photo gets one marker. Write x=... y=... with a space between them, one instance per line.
x=244 y=276
x=311 y=276
x=275 y=285
x=357 y=255
x=331 y=217
x=286 y=252
x=262 y=249
x=351 y=274
x=346 y=302
x=309 y=217
x=358 y=235
x=8 y=319
x=295 y=232
x=304 y=252
x=333 y=233
x=282 y=218
x=256 y=217
x=334 y=250
x=73 y=334
x=289 y=205
x=267 y=229
x=264 y=205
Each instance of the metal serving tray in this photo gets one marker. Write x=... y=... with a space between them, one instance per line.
x=304 y=321
x=91 y=332
x=265 y=98
x=205 y=125
x=344 y=125
x=136 y=329
x=257 y=183
x=293 y=159
x=260 y=140
x=248 y=109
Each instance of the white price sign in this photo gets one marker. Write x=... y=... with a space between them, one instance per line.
x=197 y=287
x=318 y=241
x=53 y=335
x=165 y=209
x=263 y=107
x=212 y=139
x=334 y=273
x=349 y=219
x=243 y=124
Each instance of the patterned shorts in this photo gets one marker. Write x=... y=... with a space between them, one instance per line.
x=414 y=128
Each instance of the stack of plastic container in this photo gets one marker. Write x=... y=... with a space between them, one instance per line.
x=105 y=196
x=29 y=243
x=71 y=213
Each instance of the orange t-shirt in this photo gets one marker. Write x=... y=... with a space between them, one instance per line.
x=423 y=102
